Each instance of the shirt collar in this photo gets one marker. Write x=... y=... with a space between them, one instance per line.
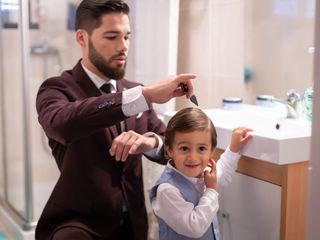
x=193 y=180
x=98 y=81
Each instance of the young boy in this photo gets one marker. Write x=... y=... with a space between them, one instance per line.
x=184 y=199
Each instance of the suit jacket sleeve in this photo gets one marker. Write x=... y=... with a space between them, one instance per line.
x=66 y=113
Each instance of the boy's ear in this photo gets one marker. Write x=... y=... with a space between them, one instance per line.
x=212 y=152
x=169 y=152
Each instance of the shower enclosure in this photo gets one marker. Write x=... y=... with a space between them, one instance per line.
x=29 y=53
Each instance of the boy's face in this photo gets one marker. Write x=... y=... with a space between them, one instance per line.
x=191 y=152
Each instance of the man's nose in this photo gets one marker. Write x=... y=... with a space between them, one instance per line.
x=123 y=45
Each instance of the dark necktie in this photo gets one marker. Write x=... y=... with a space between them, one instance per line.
x=107 y=87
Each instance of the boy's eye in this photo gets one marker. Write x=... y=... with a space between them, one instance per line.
x=183 y=148
x=202 y=148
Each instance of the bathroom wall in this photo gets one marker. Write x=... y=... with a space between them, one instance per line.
x=272 y=38
x=279 y=40
x=211 y=45
x=153 y=43
x=2 y=178
x=313 y=217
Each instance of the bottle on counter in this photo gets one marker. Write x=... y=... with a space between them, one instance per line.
x=308 y=95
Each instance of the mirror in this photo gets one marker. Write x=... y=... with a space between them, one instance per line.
x=268 y=41
x=279 y=40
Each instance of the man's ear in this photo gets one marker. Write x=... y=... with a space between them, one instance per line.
x=82 y=37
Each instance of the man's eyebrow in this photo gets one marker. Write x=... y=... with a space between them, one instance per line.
x=114 y=32
x=111 y=32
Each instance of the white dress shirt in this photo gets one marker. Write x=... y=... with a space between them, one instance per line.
x=182 y=216
x=133 y=103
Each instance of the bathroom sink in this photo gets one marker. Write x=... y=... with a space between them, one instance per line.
x=276 y=139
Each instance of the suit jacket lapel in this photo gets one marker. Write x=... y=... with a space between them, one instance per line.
x=90 y=90
x=85 y=83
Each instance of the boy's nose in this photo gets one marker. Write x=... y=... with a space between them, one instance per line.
x=193 y=155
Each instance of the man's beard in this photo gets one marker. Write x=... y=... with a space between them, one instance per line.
x=104 y=66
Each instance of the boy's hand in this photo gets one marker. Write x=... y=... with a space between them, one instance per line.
x=239 y=138
x=210 y=177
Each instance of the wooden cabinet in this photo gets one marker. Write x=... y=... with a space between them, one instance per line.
x=292 y=178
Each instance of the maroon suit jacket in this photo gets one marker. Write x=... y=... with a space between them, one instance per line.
x=92 y=187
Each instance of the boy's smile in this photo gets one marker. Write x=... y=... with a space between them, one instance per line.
x=191 y=152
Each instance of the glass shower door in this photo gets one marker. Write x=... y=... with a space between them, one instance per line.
x=15 y=165
x=30 y=51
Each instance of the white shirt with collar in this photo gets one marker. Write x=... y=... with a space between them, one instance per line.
x=133 y=103
x=182 y=216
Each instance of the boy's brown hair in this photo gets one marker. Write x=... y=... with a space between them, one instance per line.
x=188 y=120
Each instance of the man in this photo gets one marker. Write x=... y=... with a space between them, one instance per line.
x=97 y=136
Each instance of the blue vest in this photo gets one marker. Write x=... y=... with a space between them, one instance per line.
x=190 y=194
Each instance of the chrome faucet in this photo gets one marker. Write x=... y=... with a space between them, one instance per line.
x=292 y=103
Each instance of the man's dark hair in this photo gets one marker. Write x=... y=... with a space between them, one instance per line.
x=89 y=12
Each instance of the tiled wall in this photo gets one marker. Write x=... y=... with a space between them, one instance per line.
x=211 y=45
x=279 y=38
x=219 y=38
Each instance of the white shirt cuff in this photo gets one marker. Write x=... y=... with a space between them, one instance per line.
x=133 y=102
x=230 y=154
x=211 y=193
x=156 y=152
x=231 y=157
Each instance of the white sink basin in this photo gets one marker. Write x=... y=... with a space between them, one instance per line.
x=276 y=139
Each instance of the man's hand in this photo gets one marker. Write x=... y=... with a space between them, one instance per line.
x=163 y=91
x=131 y=143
